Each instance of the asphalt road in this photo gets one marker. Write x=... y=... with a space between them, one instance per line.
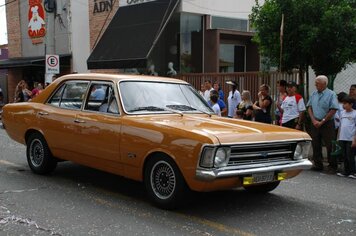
x=77 y=200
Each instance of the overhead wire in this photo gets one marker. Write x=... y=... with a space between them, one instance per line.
x=7 y=3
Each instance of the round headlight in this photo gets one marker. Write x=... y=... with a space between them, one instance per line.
x=298 y=153
x=221 y=157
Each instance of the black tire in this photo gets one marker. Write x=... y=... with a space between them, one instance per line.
x=262 y=188
x=164 y=182
x=39 y=157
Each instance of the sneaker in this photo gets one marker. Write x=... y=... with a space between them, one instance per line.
x=341 y=174
x=352 y=176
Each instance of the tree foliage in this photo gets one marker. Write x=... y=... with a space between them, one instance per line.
x=320 y=34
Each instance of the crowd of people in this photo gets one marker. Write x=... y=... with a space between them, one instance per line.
x=331 y=117
x=24 y=94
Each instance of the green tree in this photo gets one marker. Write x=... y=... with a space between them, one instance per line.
x=320 y=34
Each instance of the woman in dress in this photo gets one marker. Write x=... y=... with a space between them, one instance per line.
x=245 y=107
x=262 y=107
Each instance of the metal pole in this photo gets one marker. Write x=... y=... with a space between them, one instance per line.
x=281 y=43
x=50 y=39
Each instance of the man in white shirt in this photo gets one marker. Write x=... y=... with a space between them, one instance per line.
x=233 y=99
x=208 y=89
x=293 y=108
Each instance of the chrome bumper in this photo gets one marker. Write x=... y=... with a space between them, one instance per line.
x=210 y=175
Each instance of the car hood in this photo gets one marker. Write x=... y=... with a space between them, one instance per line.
x=225 y=130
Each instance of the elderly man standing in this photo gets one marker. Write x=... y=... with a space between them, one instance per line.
x=322 y=107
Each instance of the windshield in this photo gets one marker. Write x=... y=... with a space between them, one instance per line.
x=159 y=97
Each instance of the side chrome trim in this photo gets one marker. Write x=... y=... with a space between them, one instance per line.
x=210 y=175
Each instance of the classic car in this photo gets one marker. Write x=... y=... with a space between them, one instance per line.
x=156 y=130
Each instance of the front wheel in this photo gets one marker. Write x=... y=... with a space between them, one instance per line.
x=39 y=156
x=164 y=183
x=262 y=188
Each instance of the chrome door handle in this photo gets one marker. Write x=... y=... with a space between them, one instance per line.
x=43 y=113
x=79 y=121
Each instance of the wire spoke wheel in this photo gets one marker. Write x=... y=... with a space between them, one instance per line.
x=163 y=180
x=36 y=153
x=39 y=155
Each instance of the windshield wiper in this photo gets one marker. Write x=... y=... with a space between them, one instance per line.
x=154 y=108
x=186 y=108
x=181 y=107
x=148 y=108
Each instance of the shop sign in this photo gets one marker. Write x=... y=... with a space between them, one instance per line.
x=102 y=6
x=36 y=22
x=52 y=64
x=125 y=3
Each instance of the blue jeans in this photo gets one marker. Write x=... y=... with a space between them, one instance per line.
x=349 y=155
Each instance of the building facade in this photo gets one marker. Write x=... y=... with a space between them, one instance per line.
x=128 y=36
x=195 y=36
x=31 y=35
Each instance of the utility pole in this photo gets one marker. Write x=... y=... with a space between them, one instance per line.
x=50 y=7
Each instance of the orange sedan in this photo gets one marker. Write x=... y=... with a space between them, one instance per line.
x=152 y=129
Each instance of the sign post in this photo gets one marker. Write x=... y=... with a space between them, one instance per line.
x=52 y=66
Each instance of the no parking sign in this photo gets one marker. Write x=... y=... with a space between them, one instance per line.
x=52 y=64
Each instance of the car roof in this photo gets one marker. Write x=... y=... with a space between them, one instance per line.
x=119 y=77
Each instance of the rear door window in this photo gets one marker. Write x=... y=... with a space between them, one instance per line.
x=71 y=95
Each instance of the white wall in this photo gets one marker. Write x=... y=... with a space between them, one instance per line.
x=80 y=37
x=226 y=8
x=342 y=82
x=345 y=79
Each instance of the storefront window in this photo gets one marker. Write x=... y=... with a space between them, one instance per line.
x=190 y=43
x=181 y=43
x=229 y=23
x=232 y=58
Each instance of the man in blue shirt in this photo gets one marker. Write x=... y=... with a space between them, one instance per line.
x=97 y=93
x=322 y=106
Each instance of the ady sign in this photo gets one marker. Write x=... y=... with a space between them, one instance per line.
x=36 y=23
x=102 y=6
x=124 y=3
x=52 y=64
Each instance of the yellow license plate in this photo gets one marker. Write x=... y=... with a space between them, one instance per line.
x=259 y=178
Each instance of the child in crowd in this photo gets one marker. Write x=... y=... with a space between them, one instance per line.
x=347 y=132
x=215 y=105
x=239 y=114
x=340 y=97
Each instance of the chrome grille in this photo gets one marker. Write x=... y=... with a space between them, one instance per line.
x=249 y=154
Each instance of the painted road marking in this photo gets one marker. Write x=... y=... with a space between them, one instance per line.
x=7 y=163
x=197 y=220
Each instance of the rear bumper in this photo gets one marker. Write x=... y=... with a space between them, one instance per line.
x=210 y=175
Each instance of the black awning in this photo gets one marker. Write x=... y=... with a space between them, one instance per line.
x=31 y=61
x=131 y=35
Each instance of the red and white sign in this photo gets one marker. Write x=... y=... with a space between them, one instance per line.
x=52 y=64
x=36 y=21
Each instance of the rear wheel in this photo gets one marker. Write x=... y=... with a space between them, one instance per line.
x=39 y=156
x=262 y=188
x=164 y=183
